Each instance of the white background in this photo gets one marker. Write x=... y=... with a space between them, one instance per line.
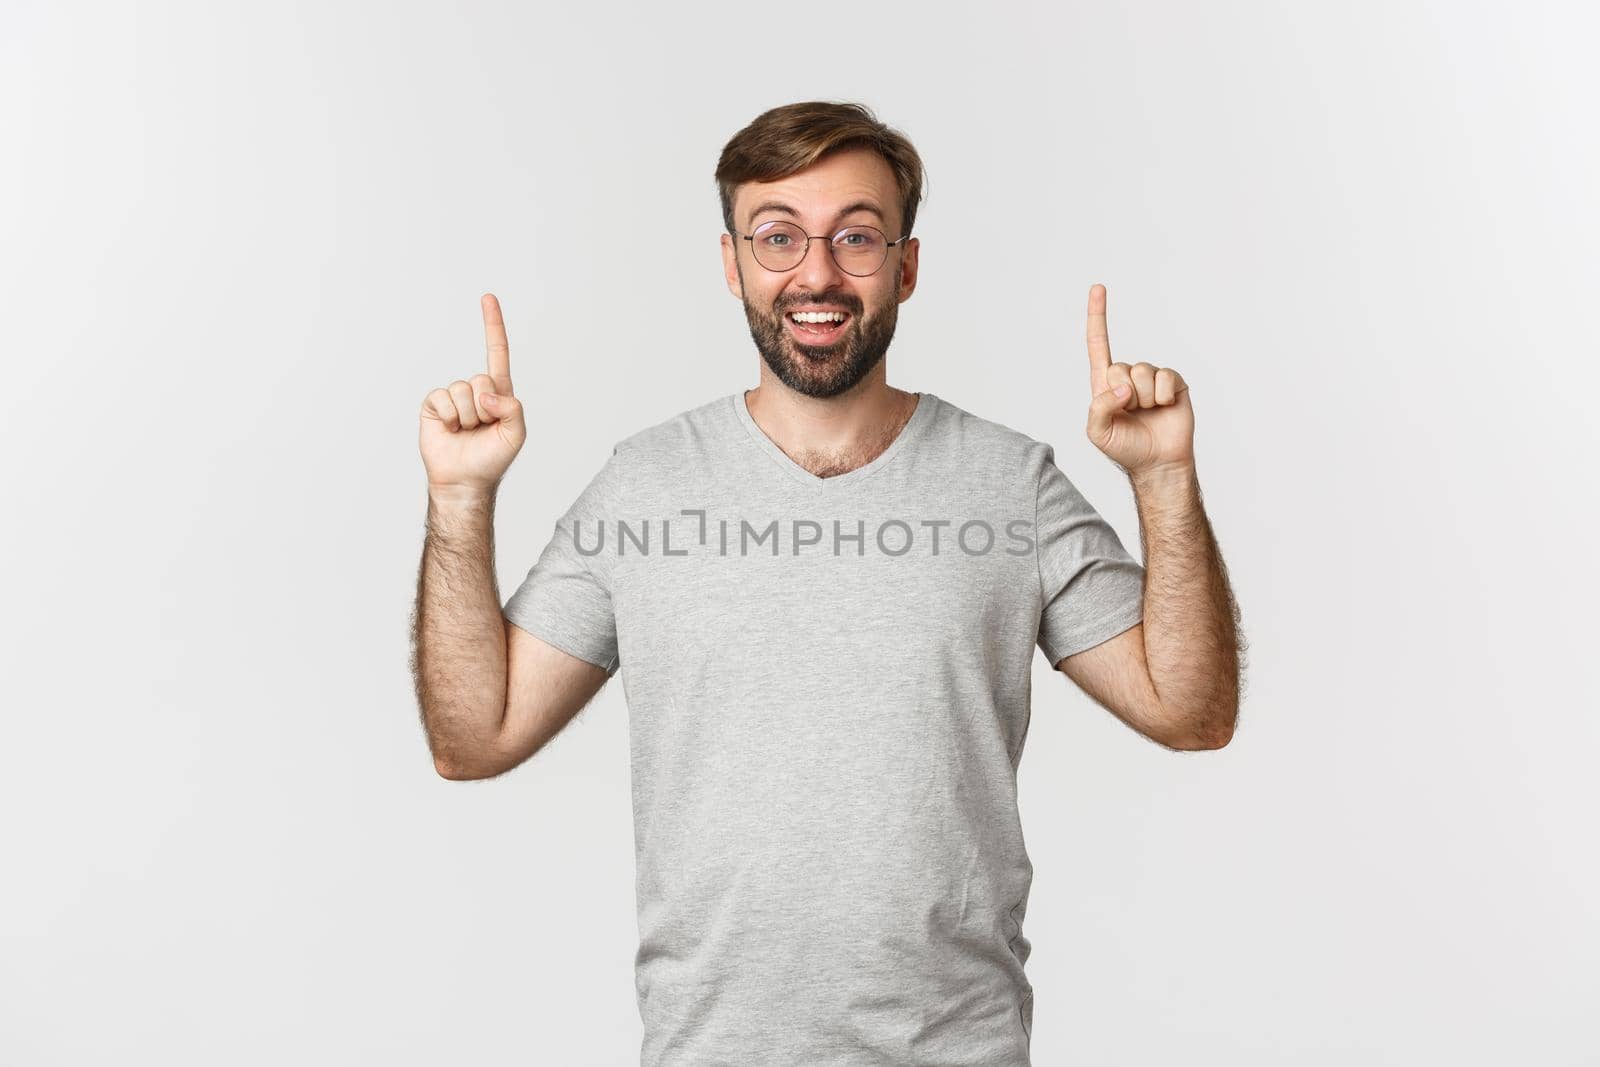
x=241 y=243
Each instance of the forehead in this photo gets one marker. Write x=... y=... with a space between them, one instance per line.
x=831 y=183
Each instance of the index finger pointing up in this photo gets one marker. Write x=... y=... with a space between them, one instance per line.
x=494 y=335
x=1099 y=340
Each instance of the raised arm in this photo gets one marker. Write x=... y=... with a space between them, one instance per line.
x=490 y=694
x=1177 y=676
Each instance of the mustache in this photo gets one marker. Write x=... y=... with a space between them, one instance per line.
x=850 y=304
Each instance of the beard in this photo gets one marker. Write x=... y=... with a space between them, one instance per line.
x=822 y=370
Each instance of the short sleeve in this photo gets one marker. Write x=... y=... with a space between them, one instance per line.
x=1092 y=588
x=565 y=599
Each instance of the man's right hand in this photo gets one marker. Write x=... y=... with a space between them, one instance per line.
x=473 y=429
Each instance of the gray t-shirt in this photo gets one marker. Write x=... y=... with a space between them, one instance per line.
x=828 y=684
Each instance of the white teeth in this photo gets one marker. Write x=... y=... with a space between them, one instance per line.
x=817 y=316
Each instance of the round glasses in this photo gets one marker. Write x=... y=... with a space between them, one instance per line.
x=858 y=250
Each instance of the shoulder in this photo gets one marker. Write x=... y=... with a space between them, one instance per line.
x=986 y=443
x=679 y=431
x=679 y=442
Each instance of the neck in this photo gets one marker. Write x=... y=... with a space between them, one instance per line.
x=831 y=435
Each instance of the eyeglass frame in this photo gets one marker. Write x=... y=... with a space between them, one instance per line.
x=888 y=244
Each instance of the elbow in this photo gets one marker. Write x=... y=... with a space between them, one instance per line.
x=448 y=770
x=472 y=764
x=467 y=772
x=1202 y=742
x=455 y=769
x=465 y=759
x=1205 y=733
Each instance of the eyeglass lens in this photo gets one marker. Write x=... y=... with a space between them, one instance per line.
x=859 y=250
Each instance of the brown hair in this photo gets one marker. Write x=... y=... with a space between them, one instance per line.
x=787 y=139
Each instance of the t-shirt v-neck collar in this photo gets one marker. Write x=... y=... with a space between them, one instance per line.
x=914 y=425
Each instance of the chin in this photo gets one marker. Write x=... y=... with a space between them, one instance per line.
x=804 y=356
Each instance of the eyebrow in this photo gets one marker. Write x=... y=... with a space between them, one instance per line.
x=859 y=205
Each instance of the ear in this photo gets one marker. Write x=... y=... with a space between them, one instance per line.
x=730 y=267
x=908 y=268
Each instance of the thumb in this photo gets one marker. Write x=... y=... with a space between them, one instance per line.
x=503 y=408
x=1103 y=410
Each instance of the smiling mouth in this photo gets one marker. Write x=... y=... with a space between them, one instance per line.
x=817 y=332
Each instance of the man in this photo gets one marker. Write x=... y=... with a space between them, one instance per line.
x=823 y=595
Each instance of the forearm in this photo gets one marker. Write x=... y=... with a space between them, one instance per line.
x=459 y=636
x=1191 y=622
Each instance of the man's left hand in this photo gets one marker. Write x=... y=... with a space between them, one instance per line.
x=1151 y=426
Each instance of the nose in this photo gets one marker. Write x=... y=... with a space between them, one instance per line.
x=817 y=272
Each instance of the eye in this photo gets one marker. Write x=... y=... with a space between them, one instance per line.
x=775 y=238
